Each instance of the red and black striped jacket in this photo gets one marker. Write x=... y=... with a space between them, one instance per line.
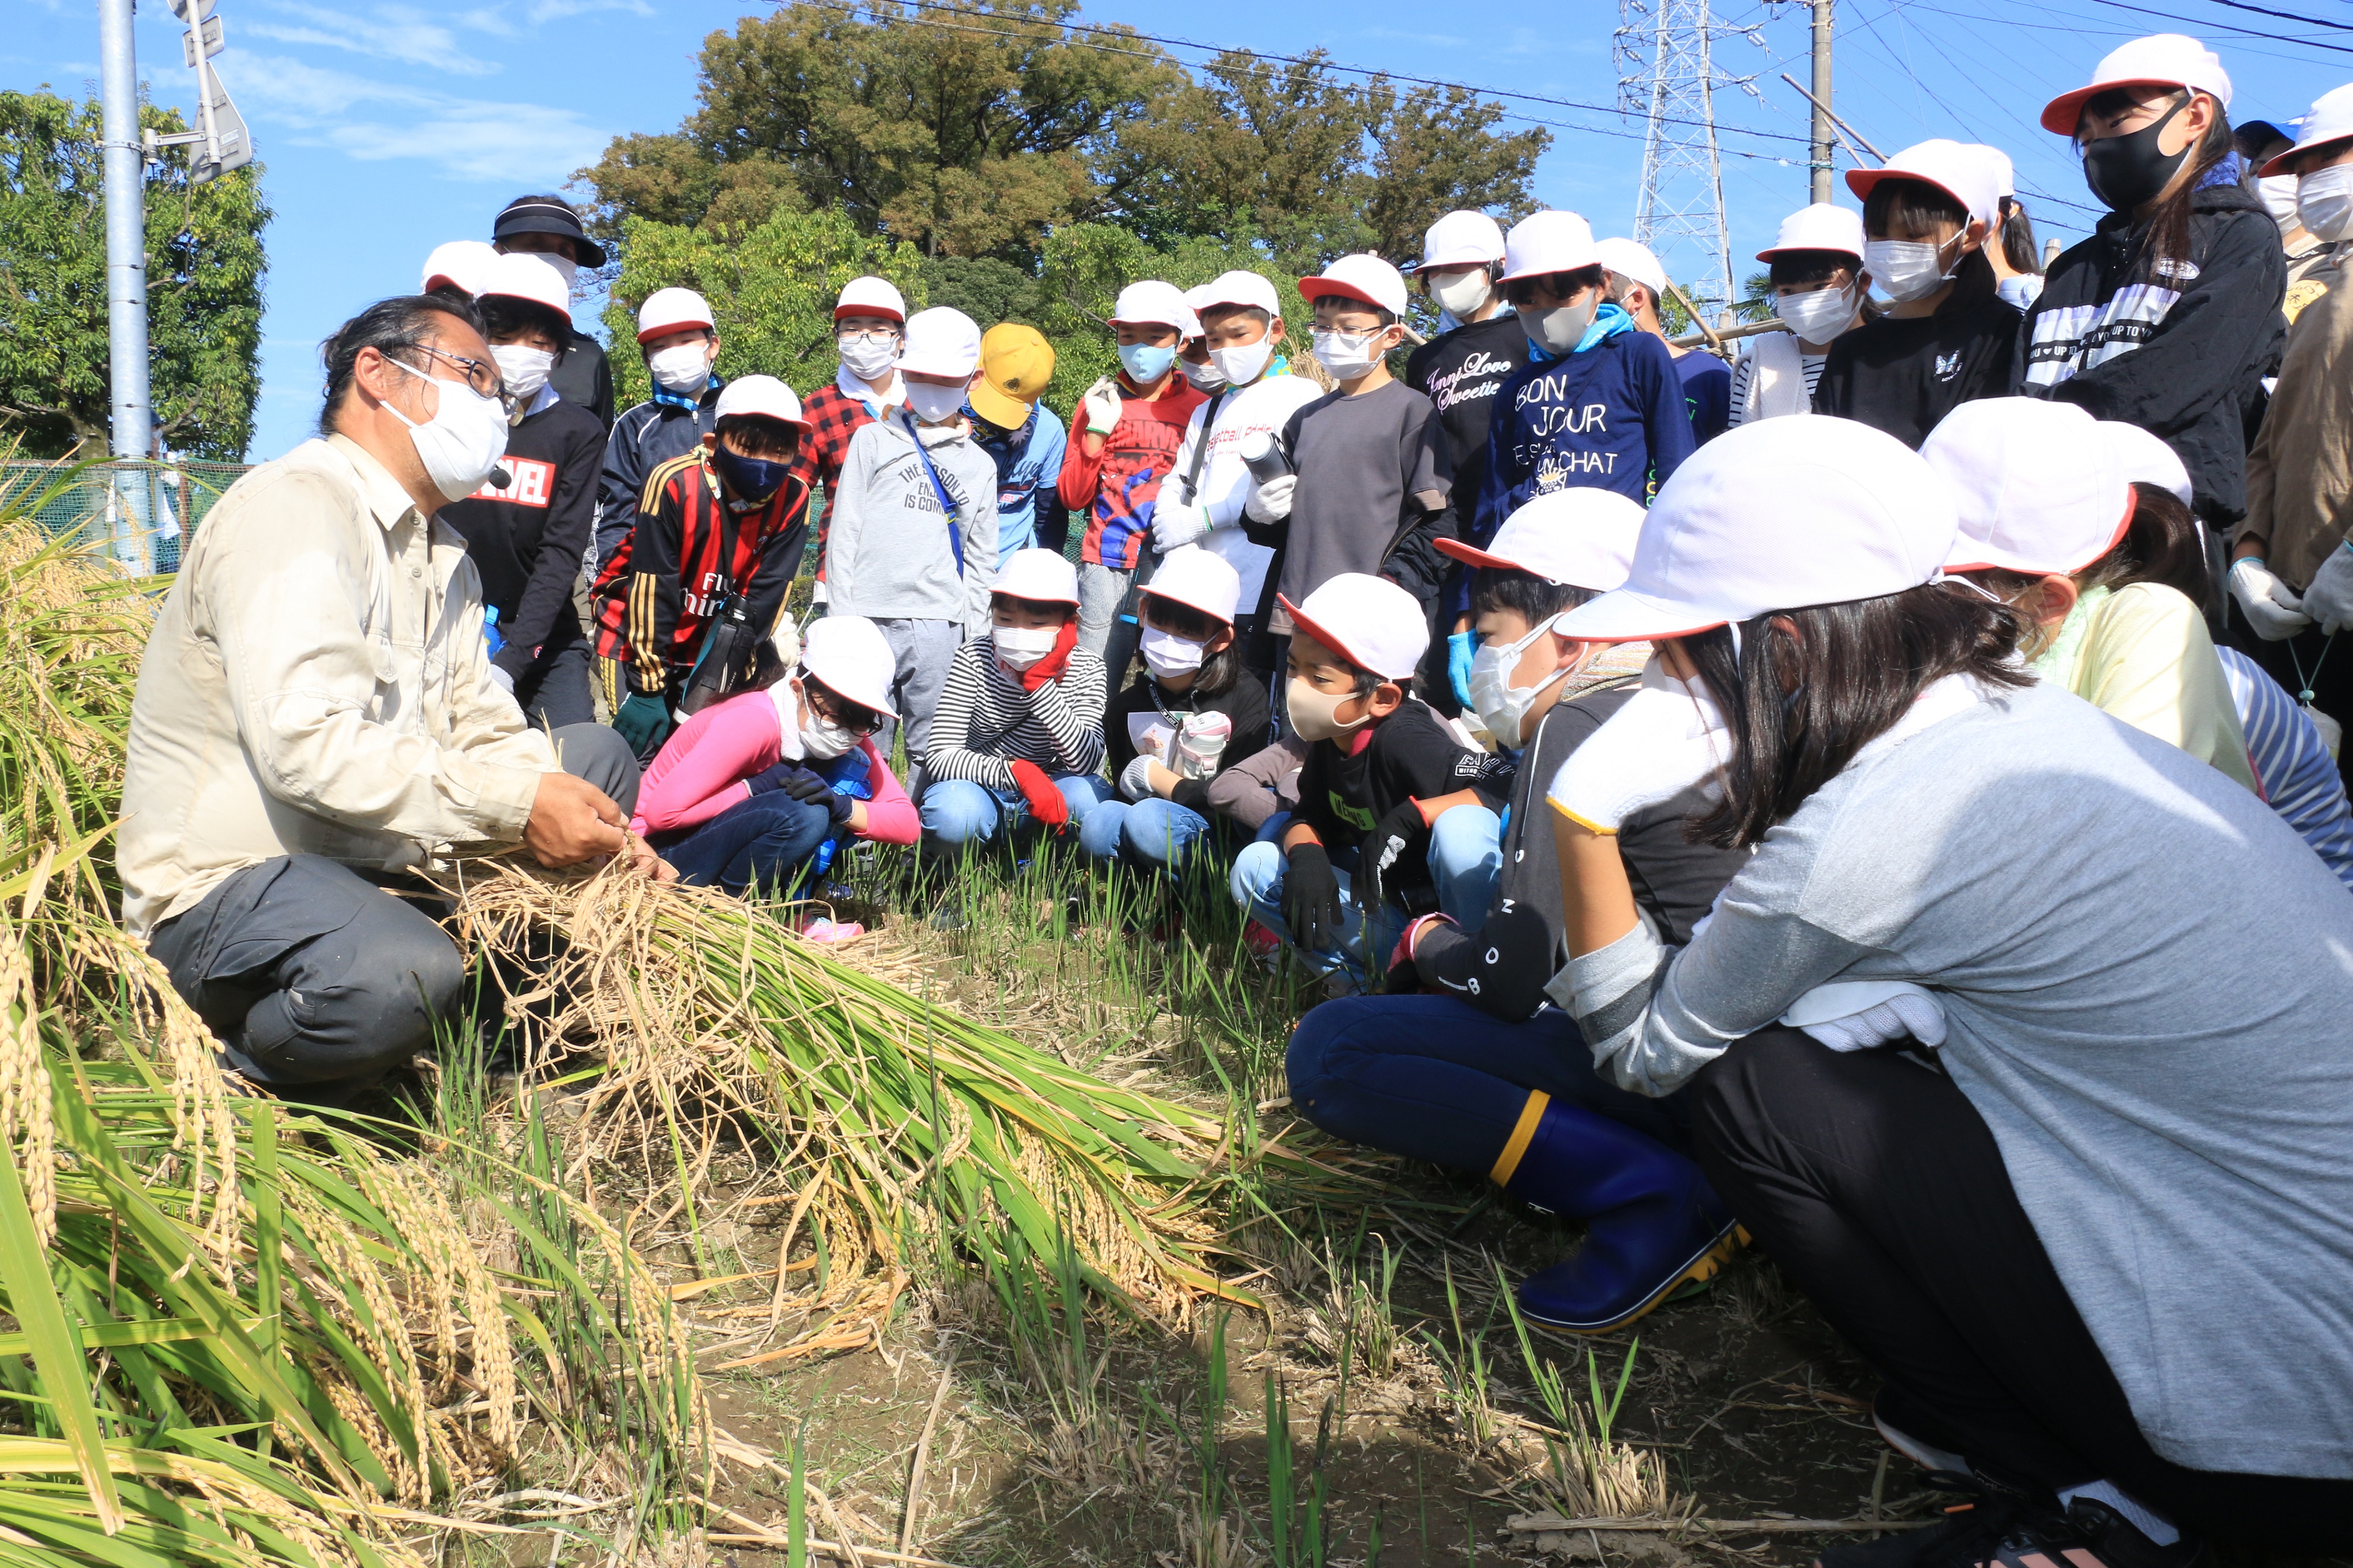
x=691 y=549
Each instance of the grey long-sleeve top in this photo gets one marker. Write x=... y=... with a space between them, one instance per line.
x=2148 y=979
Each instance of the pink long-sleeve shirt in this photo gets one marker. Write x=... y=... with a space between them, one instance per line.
x=702 y=768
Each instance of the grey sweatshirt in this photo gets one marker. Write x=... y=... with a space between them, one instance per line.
x=2148 y=979
x=887 y=554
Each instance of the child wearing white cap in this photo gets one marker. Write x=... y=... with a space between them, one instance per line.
x=1927 y=217
x=1820 y=290
x=2134 y=971
x=1122 y=443
x=911 y=540
x=1448 y=1076
x=1635 y=280
x=2167 y=316
x=749 y=789
x=1019 y=731
x=678 y=338
x=1387 y=794
x=1169 y=735
x=870 y=320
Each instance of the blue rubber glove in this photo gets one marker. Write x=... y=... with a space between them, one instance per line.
x=644 y=722
x=1462 y=647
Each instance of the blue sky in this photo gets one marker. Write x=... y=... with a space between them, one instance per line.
x=388 y=128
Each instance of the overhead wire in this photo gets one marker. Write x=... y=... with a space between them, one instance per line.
x=2177 y=20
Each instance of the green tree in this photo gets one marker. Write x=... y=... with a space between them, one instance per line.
x=204 y=271
x=1756 y=298
x=770 y=288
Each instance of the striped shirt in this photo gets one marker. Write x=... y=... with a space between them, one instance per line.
x=1745 y=367
x=985 y=721
x=2294 y=770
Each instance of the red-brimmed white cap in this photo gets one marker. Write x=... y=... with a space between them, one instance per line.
x=1582 y=537
x=763 y=395
x=1239 y=288
x=1040 y=574
x=667 y=310
x=851 y=657
x=2034 y=487
x=1149 y=302
x=2329 y=122
x=2005 y=173
x=942 y=341
x=1955 y=168
x=1548 y=242
x=1364 y=278
x=1369 y=621
x=460 y=263
x=1819 y=226
x=1200 y=578
x=526 y=275
x=870 y=297
x=2143 y=458
x=1780 y=514
x=2161 y=59
x=1460 y=239
x=1634 y=263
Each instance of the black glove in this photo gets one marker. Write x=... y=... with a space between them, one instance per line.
x=1311 y=899
x=1501 y=968
x=803 y=784
x=1380 y=861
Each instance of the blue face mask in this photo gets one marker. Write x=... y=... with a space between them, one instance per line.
x=749 y=479
x=1146 y=363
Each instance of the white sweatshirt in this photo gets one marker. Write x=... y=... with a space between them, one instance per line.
x=1266 y=404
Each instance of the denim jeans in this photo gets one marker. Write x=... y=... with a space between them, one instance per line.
x=1152 y=835
x=764 y=840
x=1466 y=857
x=1100 y=589
x=957 y=811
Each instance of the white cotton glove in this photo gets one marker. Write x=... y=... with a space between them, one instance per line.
x=1175 y=524
x=1271 y=502
x=1856 y=1015
x=1136 y=779
x=2328 y=598
x=1667 y=738
x=1102 y=406
x=502 y=680
x=2270 y=606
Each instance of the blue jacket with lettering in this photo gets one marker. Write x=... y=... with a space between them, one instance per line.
x=1609 y=417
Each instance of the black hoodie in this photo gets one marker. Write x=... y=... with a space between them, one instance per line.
x=2182 y=354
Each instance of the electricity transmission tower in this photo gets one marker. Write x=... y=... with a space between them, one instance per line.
x=1664 y=74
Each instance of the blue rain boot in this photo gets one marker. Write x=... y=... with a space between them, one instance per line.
x=1653 y=1224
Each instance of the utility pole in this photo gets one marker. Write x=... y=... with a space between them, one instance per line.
x=1820 y=158
x=126 y=276
x=1665 y=74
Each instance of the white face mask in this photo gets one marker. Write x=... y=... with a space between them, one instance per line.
x=1559 y=331
x=1019 y=648
x=1462 y=295
x=934 y=404
x=1243 y=365
x=1206 y=378
x=464 y=439
x=1502 y=706
x=1905 y=269
x=683 y=368
x=1818 y=316
x=1348 y=355
x=566 y=267
x=2278 y=192
x=2324 y=200
x=1316 y=714
x=869 y=355
x=524 y=369
x=1166 y=654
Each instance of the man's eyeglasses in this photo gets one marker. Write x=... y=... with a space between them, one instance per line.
x=482 y=375
x=870 y=335
x=834 y=710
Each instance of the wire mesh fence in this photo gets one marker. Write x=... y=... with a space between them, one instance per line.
x=146 y=509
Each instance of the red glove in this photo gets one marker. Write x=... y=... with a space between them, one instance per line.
x=1046 y=802
x=1057 y=659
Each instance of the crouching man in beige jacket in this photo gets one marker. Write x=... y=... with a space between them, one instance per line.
x=315 y=722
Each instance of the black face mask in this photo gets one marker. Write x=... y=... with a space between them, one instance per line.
x=750 y=479
x=2126 y=171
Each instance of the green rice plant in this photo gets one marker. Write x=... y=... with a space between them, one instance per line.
x=1591 y=1472
x=1298 y=1531
x=1464 y=1370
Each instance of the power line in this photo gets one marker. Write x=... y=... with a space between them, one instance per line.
x=2267 y=37
x=2285 y=16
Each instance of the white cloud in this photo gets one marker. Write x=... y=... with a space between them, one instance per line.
x=555 y=10
x=387 y=32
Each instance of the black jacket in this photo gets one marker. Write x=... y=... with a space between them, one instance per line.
x=1902 y=376
x=1343 y=795
x=1458 y=372
x=643 y=439
x=526 y=539
x=2181 y=354
x=584 y=378
x=1244 y=703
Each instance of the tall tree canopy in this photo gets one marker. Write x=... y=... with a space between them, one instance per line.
x=204 y=269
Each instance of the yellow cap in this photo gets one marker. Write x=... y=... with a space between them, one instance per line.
x=1015 y=363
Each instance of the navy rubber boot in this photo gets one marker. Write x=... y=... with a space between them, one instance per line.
x=1653 y=1224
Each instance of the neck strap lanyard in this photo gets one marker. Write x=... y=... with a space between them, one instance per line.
x=947 y=508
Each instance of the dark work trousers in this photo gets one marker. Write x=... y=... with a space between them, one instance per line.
x=553 y=692
x=1433 y=1078
x=1879 y=1190
x=764 y=841
x=318 y=980
x=2331 y=673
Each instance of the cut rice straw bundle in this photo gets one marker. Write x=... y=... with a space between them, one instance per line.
x=899 y=1122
